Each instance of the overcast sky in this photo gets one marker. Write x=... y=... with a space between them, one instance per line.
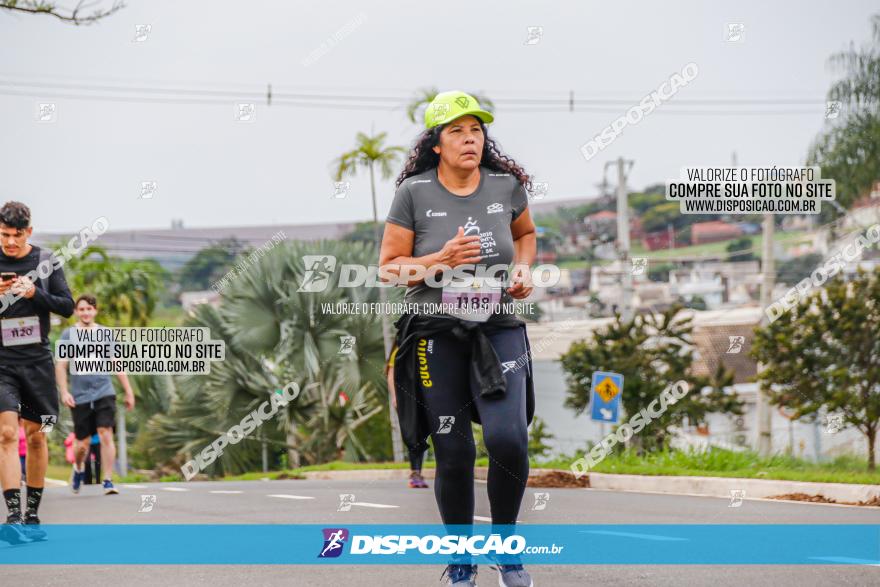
x=214 y=171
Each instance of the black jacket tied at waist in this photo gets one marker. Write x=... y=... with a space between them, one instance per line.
x=485 y=367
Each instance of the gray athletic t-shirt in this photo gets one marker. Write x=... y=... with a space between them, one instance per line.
x=424 y=206
x=90 y=387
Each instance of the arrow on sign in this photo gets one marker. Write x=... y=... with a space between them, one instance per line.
x=606 y=413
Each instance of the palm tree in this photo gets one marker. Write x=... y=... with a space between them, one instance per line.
x=369 y=152
x=426 y=95
x=849 y=148
x=333 y=427
x=275 y=334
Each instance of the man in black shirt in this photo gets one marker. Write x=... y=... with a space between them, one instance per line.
x=30 y=288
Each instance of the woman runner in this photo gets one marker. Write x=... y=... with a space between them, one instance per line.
x=462 y=204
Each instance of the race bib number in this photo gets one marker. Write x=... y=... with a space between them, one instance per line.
x=471 y=302
x=19 y=331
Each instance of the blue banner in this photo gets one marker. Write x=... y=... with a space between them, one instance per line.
x=587 y=544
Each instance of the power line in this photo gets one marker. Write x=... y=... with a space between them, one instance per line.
x=350 y=101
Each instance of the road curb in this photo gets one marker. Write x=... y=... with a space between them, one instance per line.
x=723 y=486
x=675 y=485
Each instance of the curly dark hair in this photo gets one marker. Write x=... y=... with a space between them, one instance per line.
x=15 y=215
x=423 y=158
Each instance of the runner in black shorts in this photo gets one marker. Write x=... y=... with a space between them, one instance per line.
x=27 y=375
x=92 y=401
x=461 y=202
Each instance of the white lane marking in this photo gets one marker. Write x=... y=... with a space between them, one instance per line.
x=286 y=496
x=55 y=482
x=134 y=486
x=174 y=489
x=225 y=491
x=367 y=504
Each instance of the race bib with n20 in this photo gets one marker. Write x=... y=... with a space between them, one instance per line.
x=474 y=302
x=19 y=331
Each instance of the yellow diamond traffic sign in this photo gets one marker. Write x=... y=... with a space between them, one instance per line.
x=607 y=389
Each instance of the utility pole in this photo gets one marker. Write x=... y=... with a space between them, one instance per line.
x=121 y=442
x=623 y=166
x=765 y=444
x=764 y=413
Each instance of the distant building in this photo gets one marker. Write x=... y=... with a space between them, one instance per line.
x=174 y=247
x=190 y=299
x=661 y=239
x=602 y=222
x=713 y=231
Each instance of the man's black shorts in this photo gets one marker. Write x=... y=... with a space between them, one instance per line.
x=87 y=418
x=32 y=386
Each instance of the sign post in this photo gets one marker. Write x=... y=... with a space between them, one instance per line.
x=606 y=390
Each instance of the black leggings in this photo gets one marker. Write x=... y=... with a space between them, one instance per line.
x=446 y=392
x=415 y=460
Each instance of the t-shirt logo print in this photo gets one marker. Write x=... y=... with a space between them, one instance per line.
x=462 y=101
x=470 y=227
x=494 y=208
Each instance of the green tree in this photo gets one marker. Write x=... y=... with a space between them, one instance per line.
x=651 y=352
x=660 y=272
x=127 y=290
x=660 y=216
x=538 y=437
x=642 y=202
x=426 y=96
x=210 y=264
x=792 y=271
x=740 y=244
x=849 y=151
x=824 y=355
x=695 y=302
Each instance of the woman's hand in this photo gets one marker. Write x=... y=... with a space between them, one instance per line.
x=460 y=250
x=521 y=280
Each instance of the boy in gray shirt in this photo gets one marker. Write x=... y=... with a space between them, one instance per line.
x=92 y=401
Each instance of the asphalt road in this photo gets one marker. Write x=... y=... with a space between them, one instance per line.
x=391 y=502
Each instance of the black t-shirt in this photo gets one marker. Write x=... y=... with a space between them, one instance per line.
x=57 y=299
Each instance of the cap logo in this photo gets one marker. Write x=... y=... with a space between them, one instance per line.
x=462 y=101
